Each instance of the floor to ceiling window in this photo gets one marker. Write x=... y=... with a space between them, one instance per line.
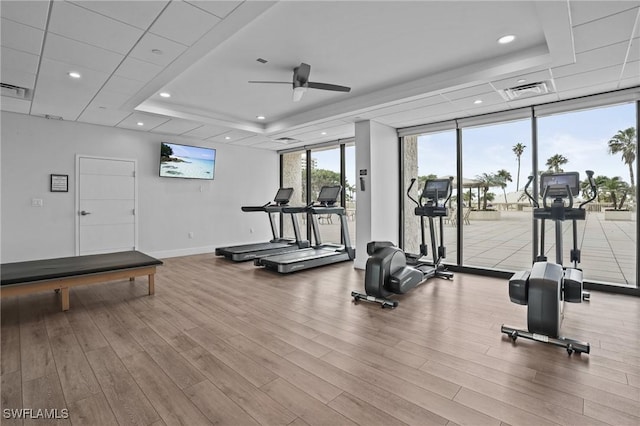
x=603 y=140
x=497 y=218
x=327 y=166
x=428 y=156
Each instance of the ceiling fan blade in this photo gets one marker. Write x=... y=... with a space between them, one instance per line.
x=326 y=86
x=301 y=74
x=271 y=82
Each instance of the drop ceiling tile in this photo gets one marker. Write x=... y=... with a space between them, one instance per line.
x=589 y=90
x=529 y=78
x=631 y=69
x=610 y=30
x=425 y=113
x=139 y=14
x=634 y=50
x=170 y=50
x=585 y=11
x=405 y=106
x=123 y=85
x=206 y=131
x=488 y=99
x=74 y=52
x=193 y=23
x=14 y=105
x=32 y=13
x=109 y=99
x=80 y=24
x=271 y=146
x=149 y=121
x=594 y=59
x=219 y=8
x=332 y=133
x=175 y=126
x=629 y=82
x=18 y=78
x=21 y=37
x=467 y=92
x=102 y=116
x=253 y=140
x=233 y=135
x=54 y=84
x=17 y=60
x=587 y=79
x=135 y=69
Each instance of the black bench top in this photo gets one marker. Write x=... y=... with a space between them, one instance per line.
x=63 y=267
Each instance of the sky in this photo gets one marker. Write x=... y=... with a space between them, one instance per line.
x=581 y=137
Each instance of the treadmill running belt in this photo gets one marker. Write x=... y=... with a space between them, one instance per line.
x=300 y=255
x=255 y=247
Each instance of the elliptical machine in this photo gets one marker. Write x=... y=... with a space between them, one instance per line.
x=390 y=270
x=548 y=285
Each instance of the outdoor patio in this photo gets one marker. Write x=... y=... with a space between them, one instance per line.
x=607 y=247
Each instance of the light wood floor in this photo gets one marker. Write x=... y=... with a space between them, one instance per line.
x=227 y=343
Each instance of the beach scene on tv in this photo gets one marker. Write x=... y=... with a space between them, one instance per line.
x=184 y=161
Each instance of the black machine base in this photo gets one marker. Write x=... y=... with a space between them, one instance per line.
x=384 y=303
x=569 y=344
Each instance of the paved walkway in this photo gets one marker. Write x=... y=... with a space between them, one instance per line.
x=608 y=248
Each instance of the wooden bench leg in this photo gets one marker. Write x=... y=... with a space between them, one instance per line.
x=132 y=279
x=64 y=292
x=152 y=289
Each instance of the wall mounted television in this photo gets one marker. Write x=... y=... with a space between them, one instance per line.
x=185 y=161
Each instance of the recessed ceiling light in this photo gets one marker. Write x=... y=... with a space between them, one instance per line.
x=74 y=74
x=227 y=137
x=477 y=101
x=260 y=117
x=156 y=51
x=323 y=133
x=140 y=123
x=506 y=39
x=522 y=80
x=165 y=95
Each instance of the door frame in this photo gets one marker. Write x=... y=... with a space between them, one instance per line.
x=77 y=196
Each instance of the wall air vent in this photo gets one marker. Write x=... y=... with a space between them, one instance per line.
x=15 y=91
x=528 y=90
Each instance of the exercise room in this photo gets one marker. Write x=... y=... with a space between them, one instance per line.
x=319 y=213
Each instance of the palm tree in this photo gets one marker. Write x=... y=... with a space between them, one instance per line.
x=502 y=177
x=615 y=189
x=518 y=149
x=624 y=142
x=486 y=180
x=555 y=162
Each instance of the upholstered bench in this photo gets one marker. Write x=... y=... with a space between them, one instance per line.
x=63 y=273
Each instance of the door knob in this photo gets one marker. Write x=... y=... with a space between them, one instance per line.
x=84 y=213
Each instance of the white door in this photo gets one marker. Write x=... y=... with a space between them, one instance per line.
x=106 y=203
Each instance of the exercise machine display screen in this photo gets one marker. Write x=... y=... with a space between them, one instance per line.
x=439 y=186
x=329 y=194
x=283 y=196
x=557 y=184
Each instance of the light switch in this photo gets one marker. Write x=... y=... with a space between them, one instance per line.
x=36 y=202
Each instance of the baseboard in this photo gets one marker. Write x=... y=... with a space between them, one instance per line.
x=164 y=254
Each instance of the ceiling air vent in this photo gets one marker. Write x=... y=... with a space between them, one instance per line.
x=528 y=90
x=286 y=140
x=15 y=91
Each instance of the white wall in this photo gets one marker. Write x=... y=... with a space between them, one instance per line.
x=377 y=216
x=32 y=148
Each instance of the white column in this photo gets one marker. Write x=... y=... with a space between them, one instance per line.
x=377 y=216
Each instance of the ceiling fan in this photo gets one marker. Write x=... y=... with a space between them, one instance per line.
x=301 y=82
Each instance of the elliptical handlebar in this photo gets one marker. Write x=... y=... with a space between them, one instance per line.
x=533 y=200
x=594 y=188
x=413 y=181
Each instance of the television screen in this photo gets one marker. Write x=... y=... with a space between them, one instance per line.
x=184 y=161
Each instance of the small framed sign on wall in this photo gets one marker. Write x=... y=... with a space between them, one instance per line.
x=59 y=183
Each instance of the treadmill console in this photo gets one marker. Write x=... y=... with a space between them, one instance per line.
x=555 y=185
x=436 y=189
x=329 y=195
x=283 y=196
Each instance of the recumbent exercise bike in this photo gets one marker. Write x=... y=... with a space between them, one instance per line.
x=390 y=270
x=548 y=285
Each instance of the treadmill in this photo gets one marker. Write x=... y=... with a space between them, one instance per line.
x=321 y=253
x=277 y=245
